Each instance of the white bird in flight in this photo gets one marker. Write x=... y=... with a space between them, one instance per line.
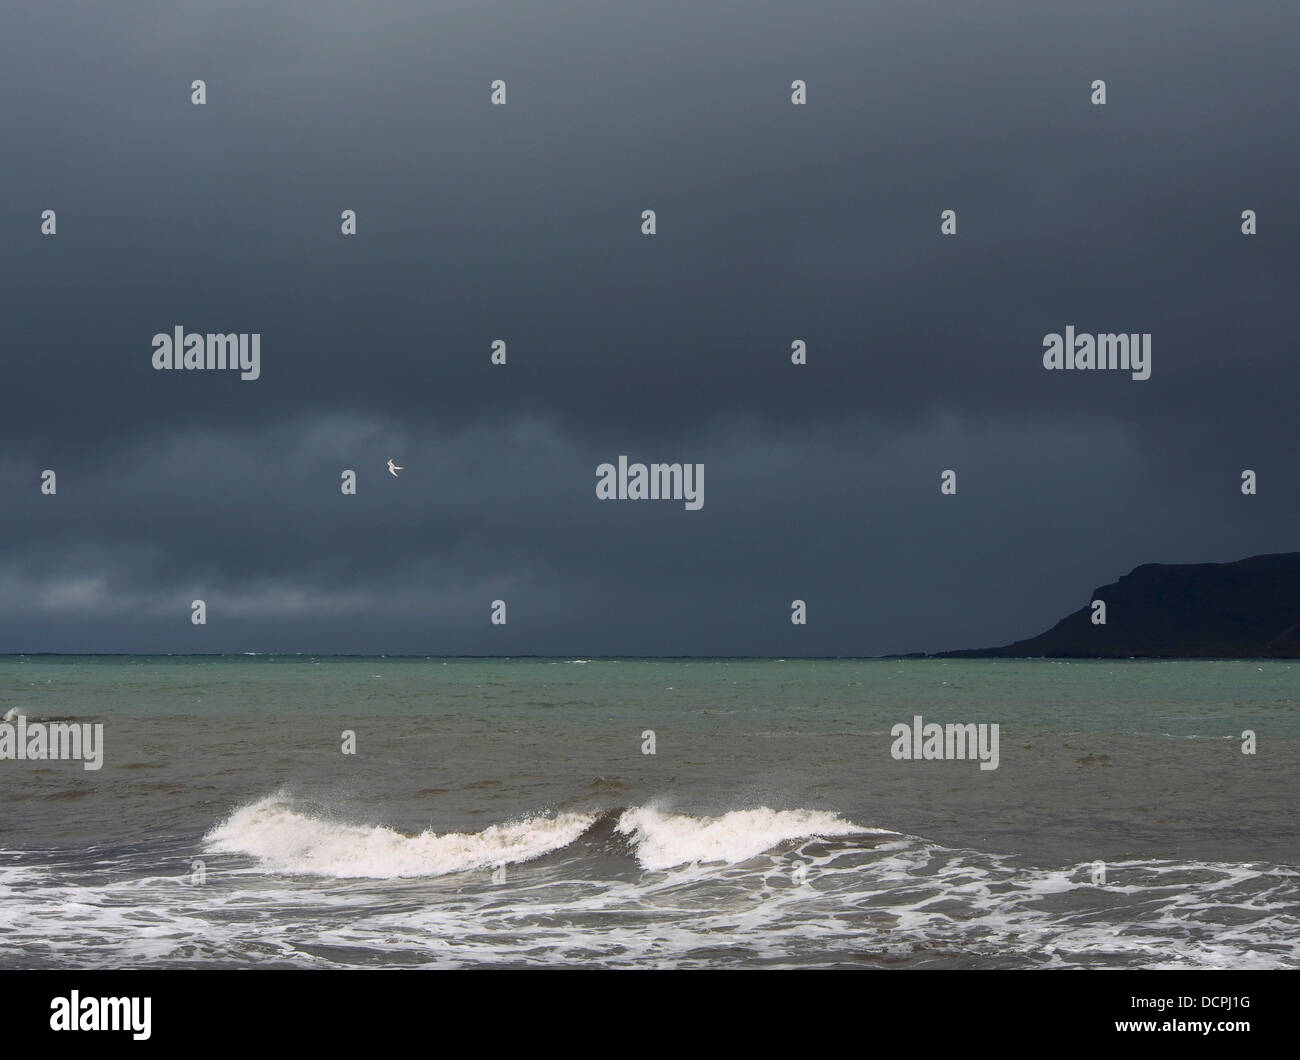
x=393 y=469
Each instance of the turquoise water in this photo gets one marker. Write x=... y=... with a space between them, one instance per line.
x=1193 y=698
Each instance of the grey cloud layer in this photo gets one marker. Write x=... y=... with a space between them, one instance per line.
x=522 y=223
x=848 y=518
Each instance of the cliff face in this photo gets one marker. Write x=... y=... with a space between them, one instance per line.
x=1246 y=609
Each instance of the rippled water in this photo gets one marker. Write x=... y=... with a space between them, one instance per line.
x=502 y=812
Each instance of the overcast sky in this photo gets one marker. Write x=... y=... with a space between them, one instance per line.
x=523 y=223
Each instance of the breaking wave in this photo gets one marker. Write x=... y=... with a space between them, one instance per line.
x=288 y=840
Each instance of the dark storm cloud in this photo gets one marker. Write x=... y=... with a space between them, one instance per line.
x=522 y=223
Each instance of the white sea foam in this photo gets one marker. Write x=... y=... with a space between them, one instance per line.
x=664 y=840
x=895 y=900
x=287 y=840
x=291 y=842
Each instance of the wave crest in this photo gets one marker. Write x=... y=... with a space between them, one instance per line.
x=664 y=840
x=288 y=841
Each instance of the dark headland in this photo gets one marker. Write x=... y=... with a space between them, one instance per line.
x=1249 y=609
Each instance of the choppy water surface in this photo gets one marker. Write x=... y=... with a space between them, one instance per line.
x=502 y=812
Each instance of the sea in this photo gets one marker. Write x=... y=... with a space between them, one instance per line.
x=347 y=812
